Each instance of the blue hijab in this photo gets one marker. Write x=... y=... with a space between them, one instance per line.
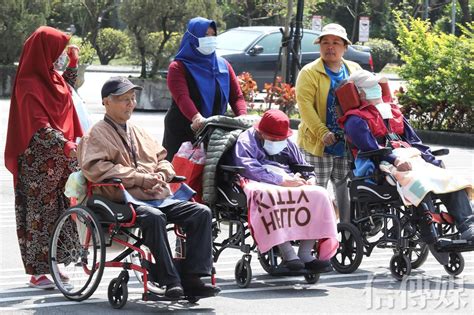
x=205 y=69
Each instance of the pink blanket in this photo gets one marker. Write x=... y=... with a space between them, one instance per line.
x=278 y=214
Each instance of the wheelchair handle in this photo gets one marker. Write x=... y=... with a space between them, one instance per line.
x=440 y=152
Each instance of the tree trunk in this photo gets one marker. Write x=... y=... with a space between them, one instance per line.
x=466 y=14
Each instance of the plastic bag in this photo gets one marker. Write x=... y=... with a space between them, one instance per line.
x=76 y=186
x=189 y=161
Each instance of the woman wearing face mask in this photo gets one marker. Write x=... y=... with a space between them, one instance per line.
x=201 y=85
x=266 y=153
x=40 y=147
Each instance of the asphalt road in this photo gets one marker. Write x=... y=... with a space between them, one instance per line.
x=371 y=289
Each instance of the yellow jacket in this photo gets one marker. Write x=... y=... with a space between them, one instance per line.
x=312 y=89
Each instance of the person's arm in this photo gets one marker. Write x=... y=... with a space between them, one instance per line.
x=70 y=74
x=236 y=98
x=412 y=138
x=178 y=86
x=164 y=167
x=306 y=91
x=95 y=157
x=359 y=133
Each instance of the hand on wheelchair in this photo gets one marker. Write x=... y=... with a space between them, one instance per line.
x=293 y=181
x=402 y=165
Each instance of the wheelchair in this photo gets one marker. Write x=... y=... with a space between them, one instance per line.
x=78 y=249
x=379 y=218
x=230 y=210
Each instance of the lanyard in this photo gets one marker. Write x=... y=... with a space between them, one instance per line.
x=131 y=150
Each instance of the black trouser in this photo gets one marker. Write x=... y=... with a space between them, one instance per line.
x=196 y=221
x=458 y=205
x=177 y=130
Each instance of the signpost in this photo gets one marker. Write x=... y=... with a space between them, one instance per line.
x=364 y=27
x=317 y=23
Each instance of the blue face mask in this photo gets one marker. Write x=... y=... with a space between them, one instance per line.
x=274 y=147
x=373 y=93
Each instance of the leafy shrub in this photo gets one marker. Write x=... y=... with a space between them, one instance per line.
x=439 y=71
x=111 y=43
x=87 y=53
x=383 y=51
x=283 y=95
x=248 y=86
x=159 y=52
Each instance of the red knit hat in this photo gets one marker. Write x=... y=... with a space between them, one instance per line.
x=275 y=124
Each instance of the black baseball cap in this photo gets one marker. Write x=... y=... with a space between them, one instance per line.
x=118 y=86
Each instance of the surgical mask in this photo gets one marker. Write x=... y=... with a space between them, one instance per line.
x=274 y=147
x=60 y=62
x=385 y=110
x=206 y=45
x=373 y=93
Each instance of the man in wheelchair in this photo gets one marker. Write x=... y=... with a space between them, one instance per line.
x=377 y=123
x=116 y=149
x=274 y=192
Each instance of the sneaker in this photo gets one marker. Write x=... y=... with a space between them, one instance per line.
x=41 y=282
x=295 y=264
x=194 y=286
x=468 y=234
x=319 y=266
x=64 y=278
x=174 y=291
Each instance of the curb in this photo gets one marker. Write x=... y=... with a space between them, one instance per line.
x=447 y=138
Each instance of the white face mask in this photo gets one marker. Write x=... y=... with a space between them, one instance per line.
x=274 y=147
x=207 y=45
x=385 y=110
x=60 y=62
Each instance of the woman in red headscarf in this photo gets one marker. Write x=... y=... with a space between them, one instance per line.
x=40 y=147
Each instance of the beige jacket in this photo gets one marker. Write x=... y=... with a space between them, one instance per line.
x=102 y=155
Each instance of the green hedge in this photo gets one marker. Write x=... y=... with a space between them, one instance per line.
x=439 y=71
x=383 y=51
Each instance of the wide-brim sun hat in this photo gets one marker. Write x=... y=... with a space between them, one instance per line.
x=365 y=79
x=275 y=124
x=333 y=29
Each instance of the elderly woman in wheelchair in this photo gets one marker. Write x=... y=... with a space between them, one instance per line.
x=284 y=204
x=380 y=137
x=129 y=177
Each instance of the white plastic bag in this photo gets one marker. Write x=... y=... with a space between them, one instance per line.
x=76 y=186
x=194 y=154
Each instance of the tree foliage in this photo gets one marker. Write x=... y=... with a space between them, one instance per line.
x=18 y=19
x=165 y=16
x=439 y=71
x=111 y=43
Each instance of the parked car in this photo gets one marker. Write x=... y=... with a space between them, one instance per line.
x=255 y=49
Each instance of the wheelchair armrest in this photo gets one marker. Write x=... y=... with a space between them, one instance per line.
x=178 y=179
x=232 y=169
x=301 y=168
x=440 y=152
x=375 y=153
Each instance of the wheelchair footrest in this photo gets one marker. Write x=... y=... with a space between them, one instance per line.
x=447 y=245
x=283 y=271
x=150 y=296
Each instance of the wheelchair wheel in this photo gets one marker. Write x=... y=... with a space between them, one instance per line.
x=243 y=273
x=117 y=293
x=77 y=253
x=400 y=266
x=455 y=265
x=311 y=278
x=269 y=260
x=350 y=252
x=417 y=255
x=136 y=259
